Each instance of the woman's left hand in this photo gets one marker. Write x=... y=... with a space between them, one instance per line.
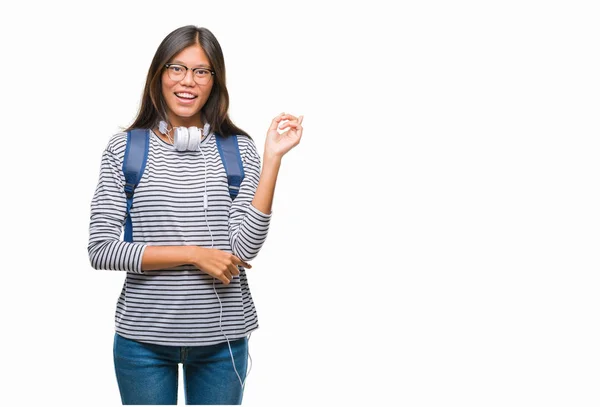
x=277 y=145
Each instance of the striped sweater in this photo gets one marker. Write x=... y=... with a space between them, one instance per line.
x=178 y=306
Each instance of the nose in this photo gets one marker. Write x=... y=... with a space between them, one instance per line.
x=188 y=78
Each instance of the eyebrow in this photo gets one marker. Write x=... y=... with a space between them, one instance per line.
x=197 y=66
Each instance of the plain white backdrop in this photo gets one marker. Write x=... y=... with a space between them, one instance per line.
x=435 y=235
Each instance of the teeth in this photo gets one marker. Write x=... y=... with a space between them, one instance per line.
x=186 y=95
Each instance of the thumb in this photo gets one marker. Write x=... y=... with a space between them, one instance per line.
x=276 y=121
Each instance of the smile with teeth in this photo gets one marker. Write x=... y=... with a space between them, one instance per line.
x=185 y=95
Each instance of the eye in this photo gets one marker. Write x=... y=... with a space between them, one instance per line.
x=201 y=72
x=176 y=68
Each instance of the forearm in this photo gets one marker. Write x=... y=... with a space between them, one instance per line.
x=217 y=263
x=263 y=198
x=163 y=257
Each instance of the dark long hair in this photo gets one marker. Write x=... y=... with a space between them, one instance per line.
x=154 y=108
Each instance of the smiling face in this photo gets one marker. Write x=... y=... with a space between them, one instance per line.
x=185 y=98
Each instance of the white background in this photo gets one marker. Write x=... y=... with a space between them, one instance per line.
x=435 y=235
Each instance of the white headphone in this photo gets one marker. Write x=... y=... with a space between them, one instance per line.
x=185 y=138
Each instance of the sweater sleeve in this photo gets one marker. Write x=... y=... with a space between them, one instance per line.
x=108 y=212
x=248 y=226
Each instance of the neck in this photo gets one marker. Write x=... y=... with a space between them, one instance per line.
x=186 y=122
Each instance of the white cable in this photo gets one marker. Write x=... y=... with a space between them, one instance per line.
x=249 y=358
x=226 y=338
x=163 y=128
x=212 y=242
x=205 y=199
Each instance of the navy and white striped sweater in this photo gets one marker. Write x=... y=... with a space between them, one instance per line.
x=178 y=306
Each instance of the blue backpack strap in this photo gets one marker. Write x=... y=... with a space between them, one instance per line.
x=134 y=162
x=232 y=161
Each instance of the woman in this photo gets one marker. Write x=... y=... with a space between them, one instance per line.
x=185 y=298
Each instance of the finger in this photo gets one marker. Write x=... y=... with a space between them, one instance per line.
x=233 y=270
x=298 y=133
x=291 y=125
x=289 y=117
x=295 y=120
x=237 y=261
x=282 y=125
x=275 y=121
x=223 y=277
x=300 y=118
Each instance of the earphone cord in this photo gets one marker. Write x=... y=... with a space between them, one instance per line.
x=164 y=129
x=242 y=383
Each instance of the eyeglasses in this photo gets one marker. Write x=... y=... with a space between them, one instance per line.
x=177 y=72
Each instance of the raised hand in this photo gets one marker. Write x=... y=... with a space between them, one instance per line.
x=276 y=144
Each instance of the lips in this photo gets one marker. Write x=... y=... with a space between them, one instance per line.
x=185 y=95
x=184 y=98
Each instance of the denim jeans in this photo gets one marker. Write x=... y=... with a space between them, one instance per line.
x=148 y=373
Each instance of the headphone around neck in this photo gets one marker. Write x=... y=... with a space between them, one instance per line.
x=185 y=138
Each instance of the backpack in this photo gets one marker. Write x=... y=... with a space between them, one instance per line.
x=136 y=155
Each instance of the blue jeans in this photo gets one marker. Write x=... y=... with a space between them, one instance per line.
x=148 y=373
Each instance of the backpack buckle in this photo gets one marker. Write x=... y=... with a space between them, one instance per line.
x=129 y=188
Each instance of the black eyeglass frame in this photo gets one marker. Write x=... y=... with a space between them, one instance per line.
x=167 y=66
